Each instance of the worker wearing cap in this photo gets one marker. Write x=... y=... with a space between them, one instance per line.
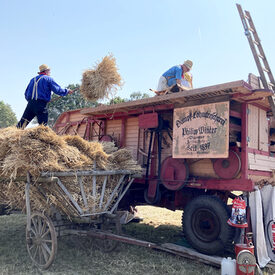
x=38 y=94
x=175 y=75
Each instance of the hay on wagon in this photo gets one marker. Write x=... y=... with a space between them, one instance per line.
x=40 y=149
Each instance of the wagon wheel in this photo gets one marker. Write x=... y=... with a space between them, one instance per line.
x=205 y=225
x=110 y=225
x=41 y=240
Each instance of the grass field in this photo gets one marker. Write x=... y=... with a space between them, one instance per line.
x=74 y=256
x=80 y=256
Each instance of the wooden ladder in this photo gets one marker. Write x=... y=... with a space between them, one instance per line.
x=259 y=54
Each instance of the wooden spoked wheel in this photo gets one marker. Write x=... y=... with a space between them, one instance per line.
x=41 y=240
x=109 y=225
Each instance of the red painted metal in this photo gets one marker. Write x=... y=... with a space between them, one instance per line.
x=152 y=189
x=90 y=129
x=244 y=155
x=215 y=184
x=123 y=133
x=224 y=185
x=228 y=168
x=149 y=120
x=87 y=130
x=153 y=166
x=174 y=173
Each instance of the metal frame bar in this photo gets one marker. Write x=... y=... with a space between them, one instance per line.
x=69 y=196
x=28 y=205
x=53 y=176
x=83 y=192
x=86 y=173
x=94 y=185
x=102 y=192
x=121 y=196
x=113 y=193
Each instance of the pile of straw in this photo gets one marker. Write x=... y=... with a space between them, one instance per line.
x=101 y=81
x=91 y=150
x=36 y=150
x=40 y=149
x=109 y=147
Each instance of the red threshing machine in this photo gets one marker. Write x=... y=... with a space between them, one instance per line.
x=195 y=147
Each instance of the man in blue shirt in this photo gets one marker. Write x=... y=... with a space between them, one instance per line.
x=38 y=94
x=174 y=75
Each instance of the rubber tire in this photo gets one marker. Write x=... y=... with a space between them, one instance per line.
x=222 y=233
x=3 y=209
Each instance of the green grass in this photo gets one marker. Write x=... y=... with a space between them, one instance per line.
x=77 y=255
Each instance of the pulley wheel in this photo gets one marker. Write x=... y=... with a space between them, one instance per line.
x=106 y=138
x=246 y=262
x=174 y=173
x=228 y=168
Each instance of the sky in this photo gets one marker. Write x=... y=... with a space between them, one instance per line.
x=146 y=37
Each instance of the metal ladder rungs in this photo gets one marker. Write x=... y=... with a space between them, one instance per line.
x=263 y=66
x=261 y=56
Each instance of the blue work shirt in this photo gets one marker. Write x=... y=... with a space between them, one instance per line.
x=172 y=75
x=45 y=86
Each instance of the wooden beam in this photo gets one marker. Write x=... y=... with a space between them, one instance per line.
x=193 y=255
x=166 y=247
x=210 y=91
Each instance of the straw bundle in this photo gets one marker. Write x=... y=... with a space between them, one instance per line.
x=99 y=82
x=35 y=150
x=93 y=150
x=109 y=147
x=40 y=149
x=123 y=158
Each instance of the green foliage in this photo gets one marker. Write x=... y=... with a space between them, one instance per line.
x=138 y=95
x=58 y=104
x=7 y=116
x=116 y=100
x=133 y=96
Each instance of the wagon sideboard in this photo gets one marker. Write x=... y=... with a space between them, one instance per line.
x=222 y=133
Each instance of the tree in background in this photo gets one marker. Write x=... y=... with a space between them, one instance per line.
x=138 y=95
x=58 y=105
x=7 y=116
x=116 y=100
x=133 y=96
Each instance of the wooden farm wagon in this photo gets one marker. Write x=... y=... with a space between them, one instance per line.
x=195 y=147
